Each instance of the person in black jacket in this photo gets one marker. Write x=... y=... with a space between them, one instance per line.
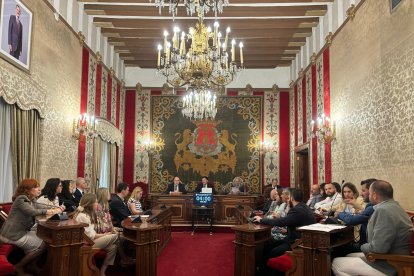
x=118 y=208
x=205 y=184
x=176 y=186
x=299 y=215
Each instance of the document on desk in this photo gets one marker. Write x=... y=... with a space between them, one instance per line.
x=322 y=227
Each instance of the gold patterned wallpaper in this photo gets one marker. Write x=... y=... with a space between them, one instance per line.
x=372 y=97
x=53 y=85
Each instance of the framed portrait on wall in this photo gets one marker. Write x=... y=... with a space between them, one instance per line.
x=16 y=33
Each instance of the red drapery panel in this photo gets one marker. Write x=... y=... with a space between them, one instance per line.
x=296 y=113
x=327 y=110
x=304 y=121
x=314 y=115
x=284 y=140
x=109 y=98
x=118 y=104
x=83 y=109
x=129 y=136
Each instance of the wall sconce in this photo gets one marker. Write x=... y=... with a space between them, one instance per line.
x=324 y=129
x=84 y=127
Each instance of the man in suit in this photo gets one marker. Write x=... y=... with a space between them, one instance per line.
x=15 y=34
x=80 y=190
x=205 y=184
x=299 y=215
x=176 y=186
x=388 y=232
x=118 y=208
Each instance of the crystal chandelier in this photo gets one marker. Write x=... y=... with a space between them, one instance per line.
x=199 y=104
x=206 y=63
x=201 y=7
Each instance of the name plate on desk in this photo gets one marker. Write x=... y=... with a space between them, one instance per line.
x=176 y=193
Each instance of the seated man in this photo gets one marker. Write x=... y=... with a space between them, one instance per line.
x=331 y=202
x=315 y=196
x=118 y=208
x=205 y=184
x=362 y=217
x=299 y=215
x=176 y=186
x=388 y=232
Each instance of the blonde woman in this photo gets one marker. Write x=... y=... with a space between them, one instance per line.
x=134 y=203
x=86 y=213
x=104 y=223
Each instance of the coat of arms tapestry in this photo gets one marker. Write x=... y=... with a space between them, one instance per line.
x=221 y=149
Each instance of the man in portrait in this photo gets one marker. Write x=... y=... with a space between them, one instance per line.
x=15 y=34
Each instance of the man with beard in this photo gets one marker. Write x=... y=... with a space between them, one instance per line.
x=331 y=202
x=363 y=217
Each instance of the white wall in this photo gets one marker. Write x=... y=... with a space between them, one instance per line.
x=257 y=78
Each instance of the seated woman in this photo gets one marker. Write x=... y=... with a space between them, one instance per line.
x=277 y=207
x=279 y=233
x=86 y=213
x=134 y=203
x=104 y=223
x=17 y=228
x=66 y=196
x=351 y=203
x=50 y=191
x=237 y=186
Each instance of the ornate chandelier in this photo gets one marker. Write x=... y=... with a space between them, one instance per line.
x=199 y=104
x=201 y=7
x=206 y=63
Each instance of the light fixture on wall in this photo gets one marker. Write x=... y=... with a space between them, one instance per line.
x=84 y=127
x=324 y=129
x=201 y=7
x=209 y=61
x=199 y=104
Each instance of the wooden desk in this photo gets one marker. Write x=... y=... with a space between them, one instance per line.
x=149 y=238
x=249 y=241
x=64 y=240
x=317 y=247
x=224 y=207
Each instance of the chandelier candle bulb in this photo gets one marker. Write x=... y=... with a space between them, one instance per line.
x=216 y=25
x=175 y=38
x=159 y=56
x=182 y=46
x=233 y=50
x=226 y=39
x=241 y=53
x=165 y=41
x=218 y=44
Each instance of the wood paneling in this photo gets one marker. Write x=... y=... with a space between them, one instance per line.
x=272 y=31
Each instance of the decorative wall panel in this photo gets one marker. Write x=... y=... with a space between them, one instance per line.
x=104 y=92
x=142 y=135
x=319 y=112
x=372 y=80
x=300 y=113
x=292 y=136
x=308 y=77
x=271 y=135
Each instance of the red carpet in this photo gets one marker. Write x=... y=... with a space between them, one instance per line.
x=199 y=255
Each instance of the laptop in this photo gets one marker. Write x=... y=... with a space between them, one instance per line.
x=206 y=190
